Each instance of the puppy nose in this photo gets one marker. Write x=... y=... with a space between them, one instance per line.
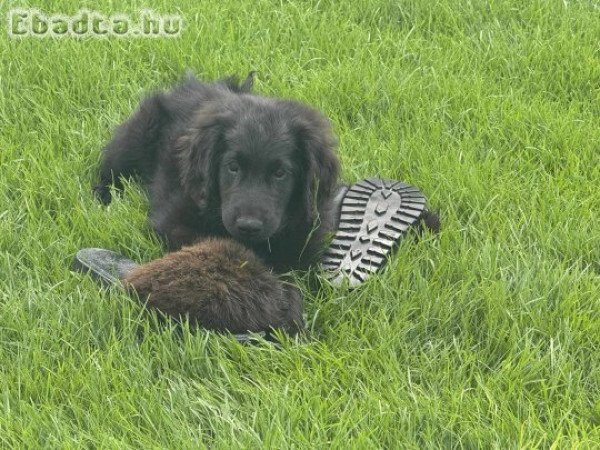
x=249 y=225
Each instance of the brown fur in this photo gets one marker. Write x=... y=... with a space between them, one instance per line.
x=219 y=285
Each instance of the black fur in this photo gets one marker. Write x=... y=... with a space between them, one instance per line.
x=220 y=161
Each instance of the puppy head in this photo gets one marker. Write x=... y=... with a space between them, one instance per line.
x=261 y=161
x=258 y=173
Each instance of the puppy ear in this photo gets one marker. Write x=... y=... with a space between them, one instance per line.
x=321 y=164
x=248 y=82
x=198 y=152
x=233 y=83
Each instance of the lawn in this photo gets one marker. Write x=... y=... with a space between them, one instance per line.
x=487 y=335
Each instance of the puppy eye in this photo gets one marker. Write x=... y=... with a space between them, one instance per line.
x=279 y=174
x=233 y=167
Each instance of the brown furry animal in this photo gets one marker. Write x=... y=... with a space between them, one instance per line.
x=219 y=285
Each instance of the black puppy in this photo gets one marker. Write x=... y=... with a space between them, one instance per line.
x=220 y=161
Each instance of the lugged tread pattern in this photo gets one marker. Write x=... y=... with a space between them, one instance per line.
x=375 y=216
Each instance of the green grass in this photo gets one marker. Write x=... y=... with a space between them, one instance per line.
x=487 y=335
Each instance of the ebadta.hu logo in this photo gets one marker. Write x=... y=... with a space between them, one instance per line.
x=85 y=23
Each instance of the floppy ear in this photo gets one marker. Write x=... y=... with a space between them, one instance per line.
x=198 y=152
x=321 y=164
